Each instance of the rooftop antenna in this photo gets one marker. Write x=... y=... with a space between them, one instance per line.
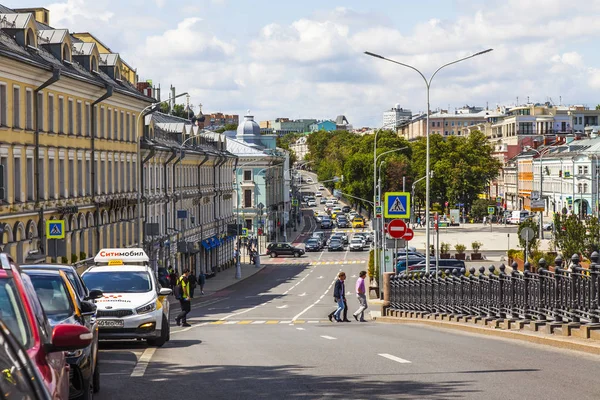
x=517 y=101
x=560 y=100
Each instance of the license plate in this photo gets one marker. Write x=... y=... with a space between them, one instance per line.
x=110 y=323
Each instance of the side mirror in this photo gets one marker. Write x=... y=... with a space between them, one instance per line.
x=165 y=292
x=69 y=337
x=94 y=294
x=88 y=307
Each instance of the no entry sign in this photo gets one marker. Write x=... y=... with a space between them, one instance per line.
x=408 y=235
x=396 y=228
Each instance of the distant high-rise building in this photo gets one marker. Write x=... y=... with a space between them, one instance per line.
x=394 y=117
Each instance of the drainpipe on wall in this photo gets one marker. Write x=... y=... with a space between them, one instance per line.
x=109 y=93
x=36 y=157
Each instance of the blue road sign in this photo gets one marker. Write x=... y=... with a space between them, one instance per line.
x=397 y=205
x=55 y=229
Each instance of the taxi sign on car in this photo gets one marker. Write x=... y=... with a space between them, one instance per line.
x=126 y=256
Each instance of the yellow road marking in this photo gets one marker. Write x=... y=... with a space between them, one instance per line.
x=271 y=322
x=244 y=322
x=299 y=322
x=217 y=322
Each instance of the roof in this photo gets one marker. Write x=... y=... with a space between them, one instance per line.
x=109 y=59
x=41 y=58
x=53 y=36
x=481 y=114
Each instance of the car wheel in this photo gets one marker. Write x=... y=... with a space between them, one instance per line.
x=273 y=254
x=96 y=378
x=296 y=254
x=88 y=390
x=164 y=334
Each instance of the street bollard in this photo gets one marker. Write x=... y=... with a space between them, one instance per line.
x=387 y=287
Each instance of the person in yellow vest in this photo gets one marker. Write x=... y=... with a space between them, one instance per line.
x=184 y=298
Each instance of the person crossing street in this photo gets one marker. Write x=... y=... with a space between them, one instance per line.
x=362 y=297
x=184 y=298
x=339 y=296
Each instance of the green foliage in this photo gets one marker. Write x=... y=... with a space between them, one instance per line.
x=82 y=255
x=534 y=242
x=536 y=256
x=373 y=273
x=476 y=246
x=285 y=141
x=73 y=258
x=570 y=235
x=444 y=248
x=64 y=260
x=460 y=248
x=479 y=209
x=592 y=242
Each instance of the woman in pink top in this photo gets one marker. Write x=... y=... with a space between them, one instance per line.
x=362 y=297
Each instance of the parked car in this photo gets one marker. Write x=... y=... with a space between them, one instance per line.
x=312 y=244
x=443 y=264
x=45 y=345
x=548 y=226
x=357 y=244
x=20 y=379
x=336 y=245
x=283 y=249
x=63 y=306
x=163 y=277
x=346 y=209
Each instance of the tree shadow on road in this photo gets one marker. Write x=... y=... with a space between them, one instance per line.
x=230 y=382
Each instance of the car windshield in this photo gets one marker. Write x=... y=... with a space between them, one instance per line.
x=11 y=312
x=119 y=282
x=53 y=295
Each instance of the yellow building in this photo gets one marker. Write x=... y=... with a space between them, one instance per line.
x=68 y=139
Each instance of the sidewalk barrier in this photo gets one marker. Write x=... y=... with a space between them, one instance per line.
x=562 y=296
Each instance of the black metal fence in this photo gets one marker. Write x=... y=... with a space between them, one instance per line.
x=562 y=295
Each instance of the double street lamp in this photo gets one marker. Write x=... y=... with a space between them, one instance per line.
x=427 y=166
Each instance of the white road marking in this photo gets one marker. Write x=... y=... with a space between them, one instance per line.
x=313 y=322
x=311 y=306
x=394 y=358
x=230 y=322
x=302 y=295
x=258 y=322
x=328 y=337
x=353 y=276
x=285 y=322
x=283 y=306
x=320 y=277
x=301 y=329
x=140 y=368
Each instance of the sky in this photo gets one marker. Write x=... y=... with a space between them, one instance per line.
x=305 y=59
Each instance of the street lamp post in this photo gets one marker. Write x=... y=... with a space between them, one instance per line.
x=427 y=166
x=140 y=167
x=541 y=154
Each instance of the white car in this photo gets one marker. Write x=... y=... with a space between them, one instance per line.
x=312 y=203
x=309 y=180
x=318 y=194
x=134 y=305
x=357 y=244
x=321 y=187
x=329 y=203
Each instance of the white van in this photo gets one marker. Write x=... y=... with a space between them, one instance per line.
x=519 y=216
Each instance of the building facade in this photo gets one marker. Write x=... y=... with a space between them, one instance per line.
x=68 y=140
x=395 y=116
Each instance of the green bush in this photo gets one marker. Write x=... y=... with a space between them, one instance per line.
x=444 y=248
x=73 y=258
x=460 y=248
x=373 y=272
x=64 y=260
x=476 y=246
x=82 y=255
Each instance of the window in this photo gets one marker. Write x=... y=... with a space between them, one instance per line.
x=80 y=177
x=16 y=107
x=61 y=115
x=61 y=177
x=102 y=177
x=452 y=123
x=4 y=162
x=128 y=137
x=30 y=179
x=3 y=105
x=115 y=126
x=585 y=188
x=41 y=171
x=71 y=117
x=133 y=121
x=110 y=176
x=585 y=169
x=72 y=178
x=109 y=133
x=88 y=174
x=121 y=126
x=29 y=109
x=51 y=184
x=579 y=188
x=51 y=113
x=247 y=198
x=17 y=178
x=79 y=119
x=247 y=175
x=88 y=119
x=122 y=180
x=40 y=111
x=580 y=170
x=127 y=181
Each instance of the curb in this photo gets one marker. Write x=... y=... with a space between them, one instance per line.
x=526 y=337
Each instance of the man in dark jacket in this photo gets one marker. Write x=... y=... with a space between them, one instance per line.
x=339 y=296
x=192 y=281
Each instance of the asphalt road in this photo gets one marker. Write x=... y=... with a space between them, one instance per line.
x=268 y=337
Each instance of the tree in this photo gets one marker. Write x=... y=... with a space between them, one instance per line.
x=479 y=209
x=534 y=242
x=178 y=110
x=570 y=235
x=598 y=107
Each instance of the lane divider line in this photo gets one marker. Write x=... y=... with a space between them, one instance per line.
x=140 y=368
x=394 y=358
x=328 y=337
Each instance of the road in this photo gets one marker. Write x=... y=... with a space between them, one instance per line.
x=268 y=337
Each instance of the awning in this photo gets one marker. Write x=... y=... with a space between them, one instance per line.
x=213 y=242
x=206 y=244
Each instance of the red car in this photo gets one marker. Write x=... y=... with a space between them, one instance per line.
x=22 y=312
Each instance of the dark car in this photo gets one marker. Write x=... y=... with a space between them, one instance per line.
x=19 y=378
x=45 y=345
x=63 y=306
x=444 y=264
x=163 y=277
x=346 y=209
x=326 y=223
x=312 y=244
x=336 y=245
x=283 y=249
x=342 y=222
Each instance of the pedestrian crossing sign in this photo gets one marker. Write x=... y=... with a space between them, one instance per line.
x=55 y=229
x=397 y=205
x=244 y=232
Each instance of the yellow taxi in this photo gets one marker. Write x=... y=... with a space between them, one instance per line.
x=358 y=222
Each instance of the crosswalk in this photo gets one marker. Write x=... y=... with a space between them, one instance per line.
x=269 y=322
x=281 y=261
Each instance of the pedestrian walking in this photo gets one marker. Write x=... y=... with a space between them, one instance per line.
x=184 y=298
x=192 y=281
x=362 y=297
x=172 y=277
x=201 y=281
x=339 y=296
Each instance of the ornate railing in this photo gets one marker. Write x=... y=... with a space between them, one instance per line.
x=557 y=295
